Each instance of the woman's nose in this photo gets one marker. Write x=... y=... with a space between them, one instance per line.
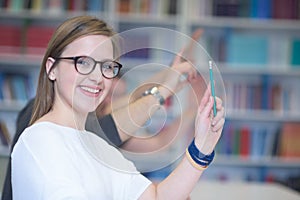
x=96 y=74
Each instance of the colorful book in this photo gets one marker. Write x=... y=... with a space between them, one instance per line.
x=124 y=6
x=245 y=141
x=11 y=39
x=288 y=9
x=295 y=53
x=16 y=5
x=266 y=92
x=37 y=5
x=270 y=146
x=226 y=8
x=96 y=5
x=257 y=142
x=290 y=140
x=37 y=38
x=247 y=49
x=236 y=141
x=261 y=8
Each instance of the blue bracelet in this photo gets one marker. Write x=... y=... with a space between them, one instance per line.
x=198 y=157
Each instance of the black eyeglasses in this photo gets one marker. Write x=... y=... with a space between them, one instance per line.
x=85 y=65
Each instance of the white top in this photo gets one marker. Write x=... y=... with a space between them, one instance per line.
x=50 y=161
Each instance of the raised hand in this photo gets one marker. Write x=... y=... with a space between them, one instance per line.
x=208 y=128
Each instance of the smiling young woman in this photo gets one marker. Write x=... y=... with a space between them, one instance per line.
x=52 y=158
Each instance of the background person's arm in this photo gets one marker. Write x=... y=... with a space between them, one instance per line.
x=181 y=128
x=138 y=109
x=132 y=117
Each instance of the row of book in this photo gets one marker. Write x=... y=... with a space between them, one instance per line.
x=235 y=48
x=263 y=94
x=258 y=50
x=276 y=9
x=54 y=6
x=150 y=7
x=29 y=40
x=238 y=49
x=16 y=87
x=123 y=6
x=260 y=140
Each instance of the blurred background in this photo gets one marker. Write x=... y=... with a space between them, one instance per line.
x=255 y=44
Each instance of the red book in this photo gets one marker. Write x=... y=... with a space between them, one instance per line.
x=124 y=6
x=244 y=141
x=288 y=9
x=11 y=39
x=37 y=38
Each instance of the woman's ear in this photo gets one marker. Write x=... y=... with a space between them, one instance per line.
x=51 y=72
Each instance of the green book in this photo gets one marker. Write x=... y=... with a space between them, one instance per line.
x=295 y=53
x=16 y=5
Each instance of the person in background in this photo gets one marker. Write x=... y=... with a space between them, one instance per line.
x=47 y=160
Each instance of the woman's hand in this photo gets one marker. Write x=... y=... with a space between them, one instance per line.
x=208 y=128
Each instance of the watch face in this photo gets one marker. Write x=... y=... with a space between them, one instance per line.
x=154 y=90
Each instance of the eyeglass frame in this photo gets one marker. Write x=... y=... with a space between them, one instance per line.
x=75 y=59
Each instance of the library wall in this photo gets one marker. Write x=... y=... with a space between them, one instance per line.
x=256 y=45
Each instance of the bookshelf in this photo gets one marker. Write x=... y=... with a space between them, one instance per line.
x=255 y=51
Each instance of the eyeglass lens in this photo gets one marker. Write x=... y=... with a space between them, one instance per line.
x=86 y=65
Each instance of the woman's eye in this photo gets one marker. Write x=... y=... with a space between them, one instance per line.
x=107 y=66
x=83 y=62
